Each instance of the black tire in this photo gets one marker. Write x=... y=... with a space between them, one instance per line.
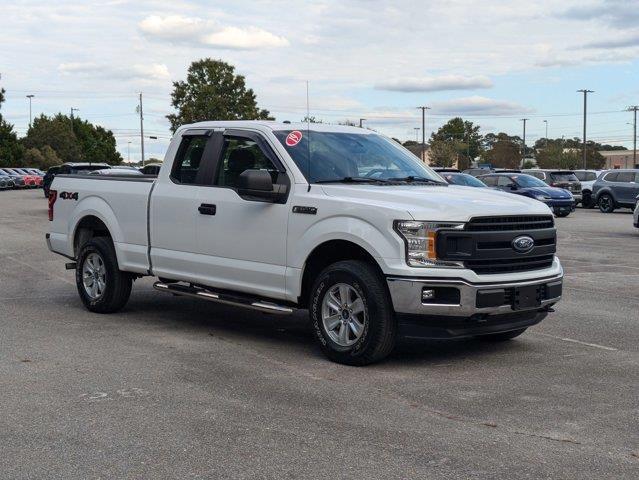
x=502 y=336
x=587 y=200
x=117 y=283
x=379 y=325
x=606 y=203
x=561 y=213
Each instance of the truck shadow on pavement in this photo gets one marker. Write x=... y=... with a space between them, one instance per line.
x=290 y=332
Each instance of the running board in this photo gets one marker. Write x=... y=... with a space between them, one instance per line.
x=212 y=296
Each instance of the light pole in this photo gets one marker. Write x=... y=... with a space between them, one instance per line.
x=30 y=96
x=423 y=109
x=416 y=134
x=546 y=122
x=585 y=91
x=523 y=154
x=361 y=122
x=634 y=109
x=128 y=152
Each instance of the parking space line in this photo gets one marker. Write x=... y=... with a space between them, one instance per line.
x=572 y=340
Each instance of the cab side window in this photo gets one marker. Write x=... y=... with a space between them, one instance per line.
x=188 y=161
x=240 y=154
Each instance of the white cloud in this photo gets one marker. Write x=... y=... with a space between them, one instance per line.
x=435 y=84
x=196 y=31
x=134 y=72
x=478 y=105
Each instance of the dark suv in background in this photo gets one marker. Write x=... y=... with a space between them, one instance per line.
x=615 y=189
x=69 y=169
x=565 y=179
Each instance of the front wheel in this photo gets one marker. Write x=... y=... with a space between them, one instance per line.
x=103 y=288
x=503 y=336
x=351 y=314
x=606 y=203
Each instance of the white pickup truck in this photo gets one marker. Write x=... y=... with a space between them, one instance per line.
x=338 y=220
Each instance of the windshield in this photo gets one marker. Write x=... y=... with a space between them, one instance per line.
x=463 y=179
x=563 y=177
x=528 y=181
x=338 y=155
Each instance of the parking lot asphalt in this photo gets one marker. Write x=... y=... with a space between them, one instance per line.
x=173 y=387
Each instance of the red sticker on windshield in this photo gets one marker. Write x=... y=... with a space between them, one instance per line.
x=293 y=138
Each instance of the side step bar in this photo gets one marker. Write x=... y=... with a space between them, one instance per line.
x=212 y=296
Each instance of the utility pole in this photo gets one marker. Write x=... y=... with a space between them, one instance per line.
x=423 y=109
x=30 y=96
x=523 y=154
x=585 y=91
x=128 y=152
x=141 y=129
x=73 y=110
x=416 y=134
x=361 y=122
x=634 y=109
x=546 y=142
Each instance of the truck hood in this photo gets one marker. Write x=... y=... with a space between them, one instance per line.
x=439 y=202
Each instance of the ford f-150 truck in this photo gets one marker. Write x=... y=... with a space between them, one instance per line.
x=338 y=220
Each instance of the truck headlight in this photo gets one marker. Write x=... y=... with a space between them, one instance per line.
x=542 y=198
x=420 y=238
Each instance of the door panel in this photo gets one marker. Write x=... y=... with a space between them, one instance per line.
x=243 y=246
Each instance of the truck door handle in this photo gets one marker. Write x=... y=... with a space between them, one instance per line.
x=207 y=209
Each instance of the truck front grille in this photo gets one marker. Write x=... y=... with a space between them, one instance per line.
x=485 y=246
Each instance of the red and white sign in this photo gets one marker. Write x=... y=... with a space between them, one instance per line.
x=293 y=138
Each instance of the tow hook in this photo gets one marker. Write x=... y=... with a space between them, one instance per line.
x=70 y=265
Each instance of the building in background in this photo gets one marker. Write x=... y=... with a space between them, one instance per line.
x=618 y=159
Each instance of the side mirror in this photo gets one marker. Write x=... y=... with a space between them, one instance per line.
x=513 y=186
x=257 y=186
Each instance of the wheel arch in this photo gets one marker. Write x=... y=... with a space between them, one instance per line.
x=327 y=253
x=88 y=227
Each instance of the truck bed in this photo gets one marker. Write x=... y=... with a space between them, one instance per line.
x=101 y=197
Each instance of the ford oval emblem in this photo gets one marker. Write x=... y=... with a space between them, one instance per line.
x=523 y=244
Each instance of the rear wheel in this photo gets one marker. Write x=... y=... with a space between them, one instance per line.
x=587 y=200
x=606 y=203
x=103 y=288
x=503 y=336
x=561 y=213
x=351 y=314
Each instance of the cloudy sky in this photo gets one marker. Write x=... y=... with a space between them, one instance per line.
x=492 y=62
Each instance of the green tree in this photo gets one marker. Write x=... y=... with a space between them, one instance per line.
x=567 y=154
x=11 y=150
x=503 y=151
x=463 y=136
x=442 y=153
x=96 y=143
x=212 y=91
x=41 y=158
x=72 y=141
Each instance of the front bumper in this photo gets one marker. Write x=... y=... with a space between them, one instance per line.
x=459 y=298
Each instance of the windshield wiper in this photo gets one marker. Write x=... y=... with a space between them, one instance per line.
x=412 y=178
x=354 y=180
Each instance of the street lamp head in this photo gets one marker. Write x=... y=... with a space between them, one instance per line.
x=30 y=96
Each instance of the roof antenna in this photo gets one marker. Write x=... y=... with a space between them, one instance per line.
x=308 y=135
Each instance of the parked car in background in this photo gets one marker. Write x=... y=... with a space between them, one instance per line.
x=18 y=179
x=32 y=179
x=48 y=178
x=462 y=179
x=635 y=216
x=559 y=200
x=587 y=179
x=132 y=172
x=616 y=189
x=6 y=181
x=559 y=178
x=151 y=169
x=477 y=171
x=70 y=168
